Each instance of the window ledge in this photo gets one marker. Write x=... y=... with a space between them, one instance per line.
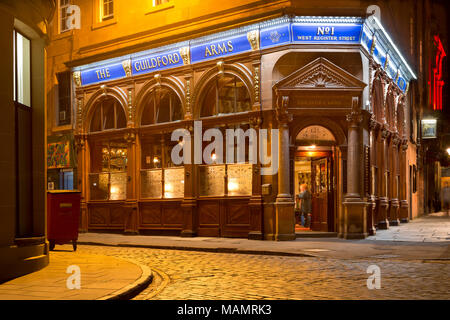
x=63 y=35
x=62 y=128
x=106 y=23
x=161 y=7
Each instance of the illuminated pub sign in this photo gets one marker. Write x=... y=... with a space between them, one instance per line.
x=277 y=32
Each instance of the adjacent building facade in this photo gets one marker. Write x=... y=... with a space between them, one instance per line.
x=23 y=33
x=332 y=82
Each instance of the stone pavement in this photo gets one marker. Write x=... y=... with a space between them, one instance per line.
x=181 y=274
x=434 y=227
x=426 y=238
x=102 y=277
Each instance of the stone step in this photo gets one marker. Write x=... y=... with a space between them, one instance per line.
x=316 y=234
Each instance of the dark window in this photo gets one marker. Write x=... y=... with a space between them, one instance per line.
x=64 y=98
x=108 y=114
x=226 y=94
x=163 y=105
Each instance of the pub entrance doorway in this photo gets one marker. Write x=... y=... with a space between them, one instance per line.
x=314 y=170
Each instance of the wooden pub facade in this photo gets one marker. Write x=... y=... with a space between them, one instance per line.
x=336 y=88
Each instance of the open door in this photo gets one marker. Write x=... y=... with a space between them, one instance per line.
x=320 y=178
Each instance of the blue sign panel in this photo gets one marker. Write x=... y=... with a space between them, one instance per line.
x=275 y=36
x=326 y=33
x=220 y=48
x=156 y=62
x=366 y=40
x=105 y=73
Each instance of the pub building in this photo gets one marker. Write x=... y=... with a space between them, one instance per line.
x=336 y=88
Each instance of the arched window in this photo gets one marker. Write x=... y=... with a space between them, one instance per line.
x=163 y=105
x=224 y=95
x=108 y=114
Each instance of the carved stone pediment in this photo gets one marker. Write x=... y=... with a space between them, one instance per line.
x=320 y=74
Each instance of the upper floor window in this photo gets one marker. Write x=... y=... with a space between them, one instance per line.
x=163 y=106
x=158 y=2
x=108 y=114
x=22 y=69
x=63 y=15
x=106 y=9
x=64 y=98
x=224 y=95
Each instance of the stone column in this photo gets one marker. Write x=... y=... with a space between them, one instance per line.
x=404 y=206
x=355 y=208
x=189 y=203
x=383 y=222
x=284 y=203
x=255 y=202
x=394 y=203
x=131 y=206
x=82 y=179
x=372 y=208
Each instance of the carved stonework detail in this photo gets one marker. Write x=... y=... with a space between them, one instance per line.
x=158 y=79
x=320 y=77
x=373 y=123
x=127 y=67
x=80 y=114
x=253 y=38
x=185 y=55
x=354 y=117
x=130 y=105
x=104 y=90
x=220 y=67
x=395 y=141
x=129 y=137
x=404 y=145
x=321 y=74
x=255 y=122
x=282 y=114
x=385 y=133
x=256 y=82
x=77 y=78
x=188 y=99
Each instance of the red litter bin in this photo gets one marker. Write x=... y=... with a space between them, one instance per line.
x=63 y=216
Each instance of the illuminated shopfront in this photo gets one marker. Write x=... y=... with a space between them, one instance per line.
x=338 y=105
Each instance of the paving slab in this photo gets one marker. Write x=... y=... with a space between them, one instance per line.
x=101 y=277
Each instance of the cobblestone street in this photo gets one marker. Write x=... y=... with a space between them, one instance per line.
x=203 y=275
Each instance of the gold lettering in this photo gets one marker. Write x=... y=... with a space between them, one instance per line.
x=176 y=57
x=222 y=48
x=162 y=59
x=136 y=64
x=230 y=45
x=153 y=63
x=159 y=61
x=170 y=59
x=213 y=49
x=107 y=72
x=207 y=52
